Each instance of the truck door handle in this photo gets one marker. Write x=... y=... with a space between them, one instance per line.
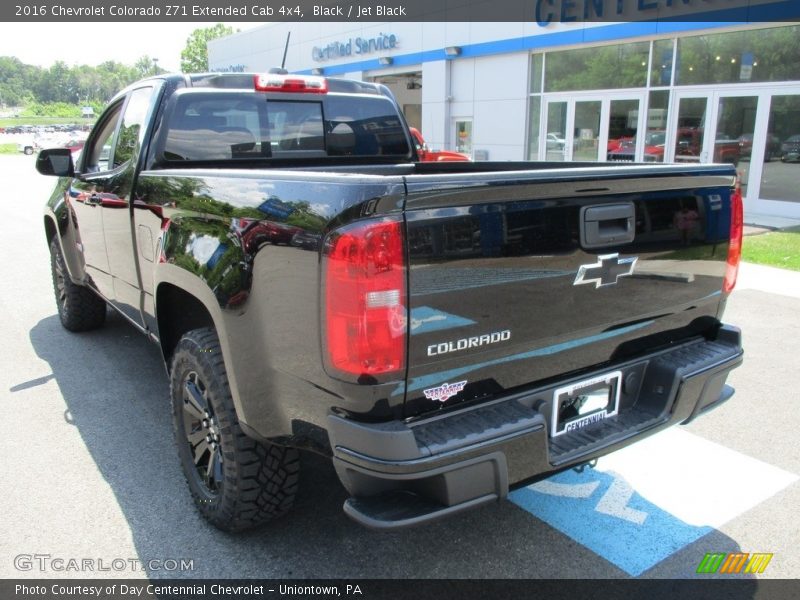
x=608 y=225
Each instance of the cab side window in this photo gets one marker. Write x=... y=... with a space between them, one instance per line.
x=98 y=152
x=131 y=131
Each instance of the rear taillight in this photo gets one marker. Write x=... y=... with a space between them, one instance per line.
x=735 y=247
x=364 y=298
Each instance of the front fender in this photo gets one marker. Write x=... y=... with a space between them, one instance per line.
x=60 y=222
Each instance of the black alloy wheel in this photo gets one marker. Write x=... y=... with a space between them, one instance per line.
x=202 y=432
x=79 y=308
x=236 y=482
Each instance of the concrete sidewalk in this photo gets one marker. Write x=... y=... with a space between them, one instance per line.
x=755 y=223
x=771 y=280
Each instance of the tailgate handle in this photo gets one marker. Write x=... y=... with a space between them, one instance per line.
x=607 y=225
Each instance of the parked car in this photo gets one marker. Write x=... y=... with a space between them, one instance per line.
x=616 y=143
x=653 y=148
x=688 y=147
x=27 y=146
x=556 y=142
x=306 y=240
x=772 y=149
x=428 y=155
x=790 y=149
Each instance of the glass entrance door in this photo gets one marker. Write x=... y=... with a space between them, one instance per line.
x=715 y=127
x=735 y=133
x=689 y=129
x=781 y=173
x=586 y=130
x=754 y=129
x=592 y=128
x=557 y=124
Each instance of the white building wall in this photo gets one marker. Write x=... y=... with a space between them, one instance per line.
x=435 y=94
x=500 y=99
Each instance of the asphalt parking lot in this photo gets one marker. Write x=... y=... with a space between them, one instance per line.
x=91 y=471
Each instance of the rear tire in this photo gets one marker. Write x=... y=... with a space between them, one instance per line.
x=79 y=308
x=236 y=482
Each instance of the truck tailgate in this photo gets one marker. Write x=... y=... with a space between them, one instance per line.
x=516 y=278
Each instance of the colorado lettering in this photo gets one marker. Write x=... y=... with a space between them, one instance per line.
x=470 y=342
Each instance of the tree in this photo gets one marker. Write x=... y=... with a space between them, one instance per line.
x=146 y=66
x=194 y=57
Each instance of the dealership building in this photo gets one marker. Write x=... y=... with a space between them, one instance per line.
x=644 y=91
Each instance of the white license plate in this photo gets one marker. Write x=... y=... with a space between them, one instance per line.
x=584 y=403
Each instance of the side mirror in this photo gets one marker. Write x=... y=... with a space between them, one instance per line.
x=55 y=161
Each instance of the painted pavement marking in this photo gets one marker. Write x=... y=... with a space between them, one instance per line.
x=645 y=502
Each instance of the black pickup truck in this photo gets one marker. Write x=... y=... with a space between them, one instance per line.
x=442 y=331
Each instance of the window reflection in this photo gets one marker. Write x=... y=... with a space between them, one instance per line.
x=740 y=57
x=779 y=177
x=605 y=67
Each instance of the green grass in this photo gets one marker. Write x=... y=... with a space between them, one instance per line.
x=11 y=122
x=777 y=249
x=8 y=148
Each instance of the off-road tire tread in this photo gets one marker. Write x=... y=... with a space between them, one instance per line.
x=259 y=480
x=83 y=309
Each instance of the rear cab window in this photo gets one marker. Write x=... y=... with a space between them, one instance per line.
x=235 y=126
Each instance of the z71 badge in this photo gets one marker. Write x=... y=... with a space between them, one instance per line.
x=444 y=391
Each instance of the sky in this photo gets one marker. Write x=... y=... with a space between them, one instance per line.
x=93 y=43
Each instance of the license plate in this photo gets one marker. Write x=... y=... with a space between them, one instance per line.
x=590 y=401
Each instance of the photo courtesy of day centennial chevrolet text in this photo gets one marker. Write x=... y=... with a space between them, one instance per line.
x=442 y=331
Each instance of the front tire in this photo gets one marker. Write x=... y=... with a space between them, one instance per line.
x=79 y=308
x=236 y=482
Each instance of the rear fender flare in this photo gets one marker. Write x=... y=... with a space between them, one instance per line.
x=188 y=283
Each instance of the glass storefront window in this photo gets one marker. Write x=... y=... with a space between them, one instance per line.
x=604 y=67
x=536 y=73
x=661 y=67
x=657 y=119
x=779 y=178
x=736 y=123
x=586 y=133
x=534 y=108
x=691 y=129
x=556 y=131
x=464 y=136
x=740 y=57
x=623 y=124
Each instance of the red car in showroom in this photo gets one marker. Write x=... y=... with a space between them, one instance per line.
x=427 y=155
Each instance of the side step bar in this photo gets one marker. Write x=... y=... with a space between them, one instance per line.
x=399 y=508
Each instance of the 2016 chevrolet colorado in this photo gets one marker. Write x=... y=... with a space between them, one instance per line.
x=442 y=331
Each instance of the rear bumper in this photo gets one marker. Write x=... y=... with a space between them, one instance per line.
x=401 y=474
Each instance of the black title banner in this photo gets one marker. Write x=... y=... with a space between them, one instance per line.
x=396 y=589
x=543 y=12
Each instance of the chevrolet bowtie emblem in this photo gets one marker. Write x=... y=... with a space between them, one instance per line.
x=606 y=271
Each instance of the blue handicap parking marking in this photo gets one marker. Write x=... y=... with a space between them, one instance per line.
x=425 y=319
x=647 y=501
x=601 y=511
